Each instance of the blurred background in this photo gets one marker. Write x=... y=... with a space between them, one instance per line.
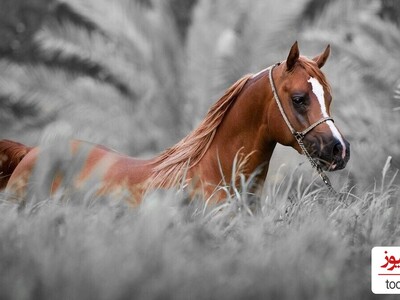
x=138 y=75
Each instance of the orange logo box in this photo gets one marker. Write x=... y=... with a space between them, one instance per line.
x=385 y=270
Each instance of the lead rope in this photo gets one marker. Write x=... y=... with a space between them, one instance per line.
x=299 y=136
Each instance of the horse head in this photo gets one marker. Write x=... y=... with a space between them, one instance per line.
x=301 y=113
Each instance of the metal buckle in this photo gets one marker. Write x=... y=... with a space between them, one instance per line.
x=299 y=136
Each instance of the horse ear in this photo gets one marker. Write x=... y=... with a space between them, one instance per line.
x=292 y=57
x=322 y=58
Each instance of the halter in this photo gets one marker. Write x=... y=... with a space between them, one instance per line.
x=300 y=135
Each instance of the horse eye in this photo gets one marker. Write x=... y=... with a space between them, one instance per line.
x=299 y=100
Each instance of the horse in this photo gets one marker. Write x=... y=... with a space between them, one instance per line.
x=286 y=103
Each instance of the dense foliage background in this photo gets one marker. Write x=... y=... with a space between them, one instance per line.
x=137 y=75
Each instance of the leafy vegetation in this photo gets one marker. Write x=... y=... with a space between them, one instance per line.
x=137 y=76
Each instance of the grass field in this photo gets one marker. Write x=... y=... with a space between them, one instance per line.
x=139 y=75
x=298 y=244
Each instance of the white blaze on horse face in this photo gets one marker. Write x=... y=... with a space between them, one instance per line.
x=318 y=91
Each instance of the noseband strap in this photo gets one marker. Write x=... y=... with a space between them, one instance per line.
x=300 y=135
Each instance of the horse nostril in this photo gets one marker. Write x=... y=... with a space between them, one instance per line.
x=337 y=150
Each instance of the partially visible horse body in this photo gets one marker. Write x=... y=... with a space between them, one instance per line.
x=243 y=126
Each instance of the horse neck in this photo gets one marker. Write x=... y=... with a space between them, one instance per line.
x=171 y=166
x=243 y=137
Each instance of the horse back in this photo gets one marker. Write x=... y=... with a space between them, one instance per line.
x=79 y=164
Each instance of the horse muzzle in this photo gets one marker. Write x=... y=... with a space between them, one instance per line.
x=332 y=154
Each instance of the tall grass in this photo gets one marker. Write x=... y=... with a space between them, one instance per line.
x=297 y=242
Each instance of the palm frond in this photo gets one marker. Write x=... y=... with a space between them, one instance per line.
x=245 y=37
x=63 y=12
x=71 y=48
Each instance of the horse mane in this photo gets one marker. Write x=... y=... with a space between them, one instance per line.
x=172 y=164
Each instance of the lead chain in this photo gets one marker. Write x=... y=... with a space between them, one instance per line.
x=316 y=166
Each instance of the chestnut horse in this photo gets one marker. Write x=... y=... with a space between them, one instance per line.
x=288 y=103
